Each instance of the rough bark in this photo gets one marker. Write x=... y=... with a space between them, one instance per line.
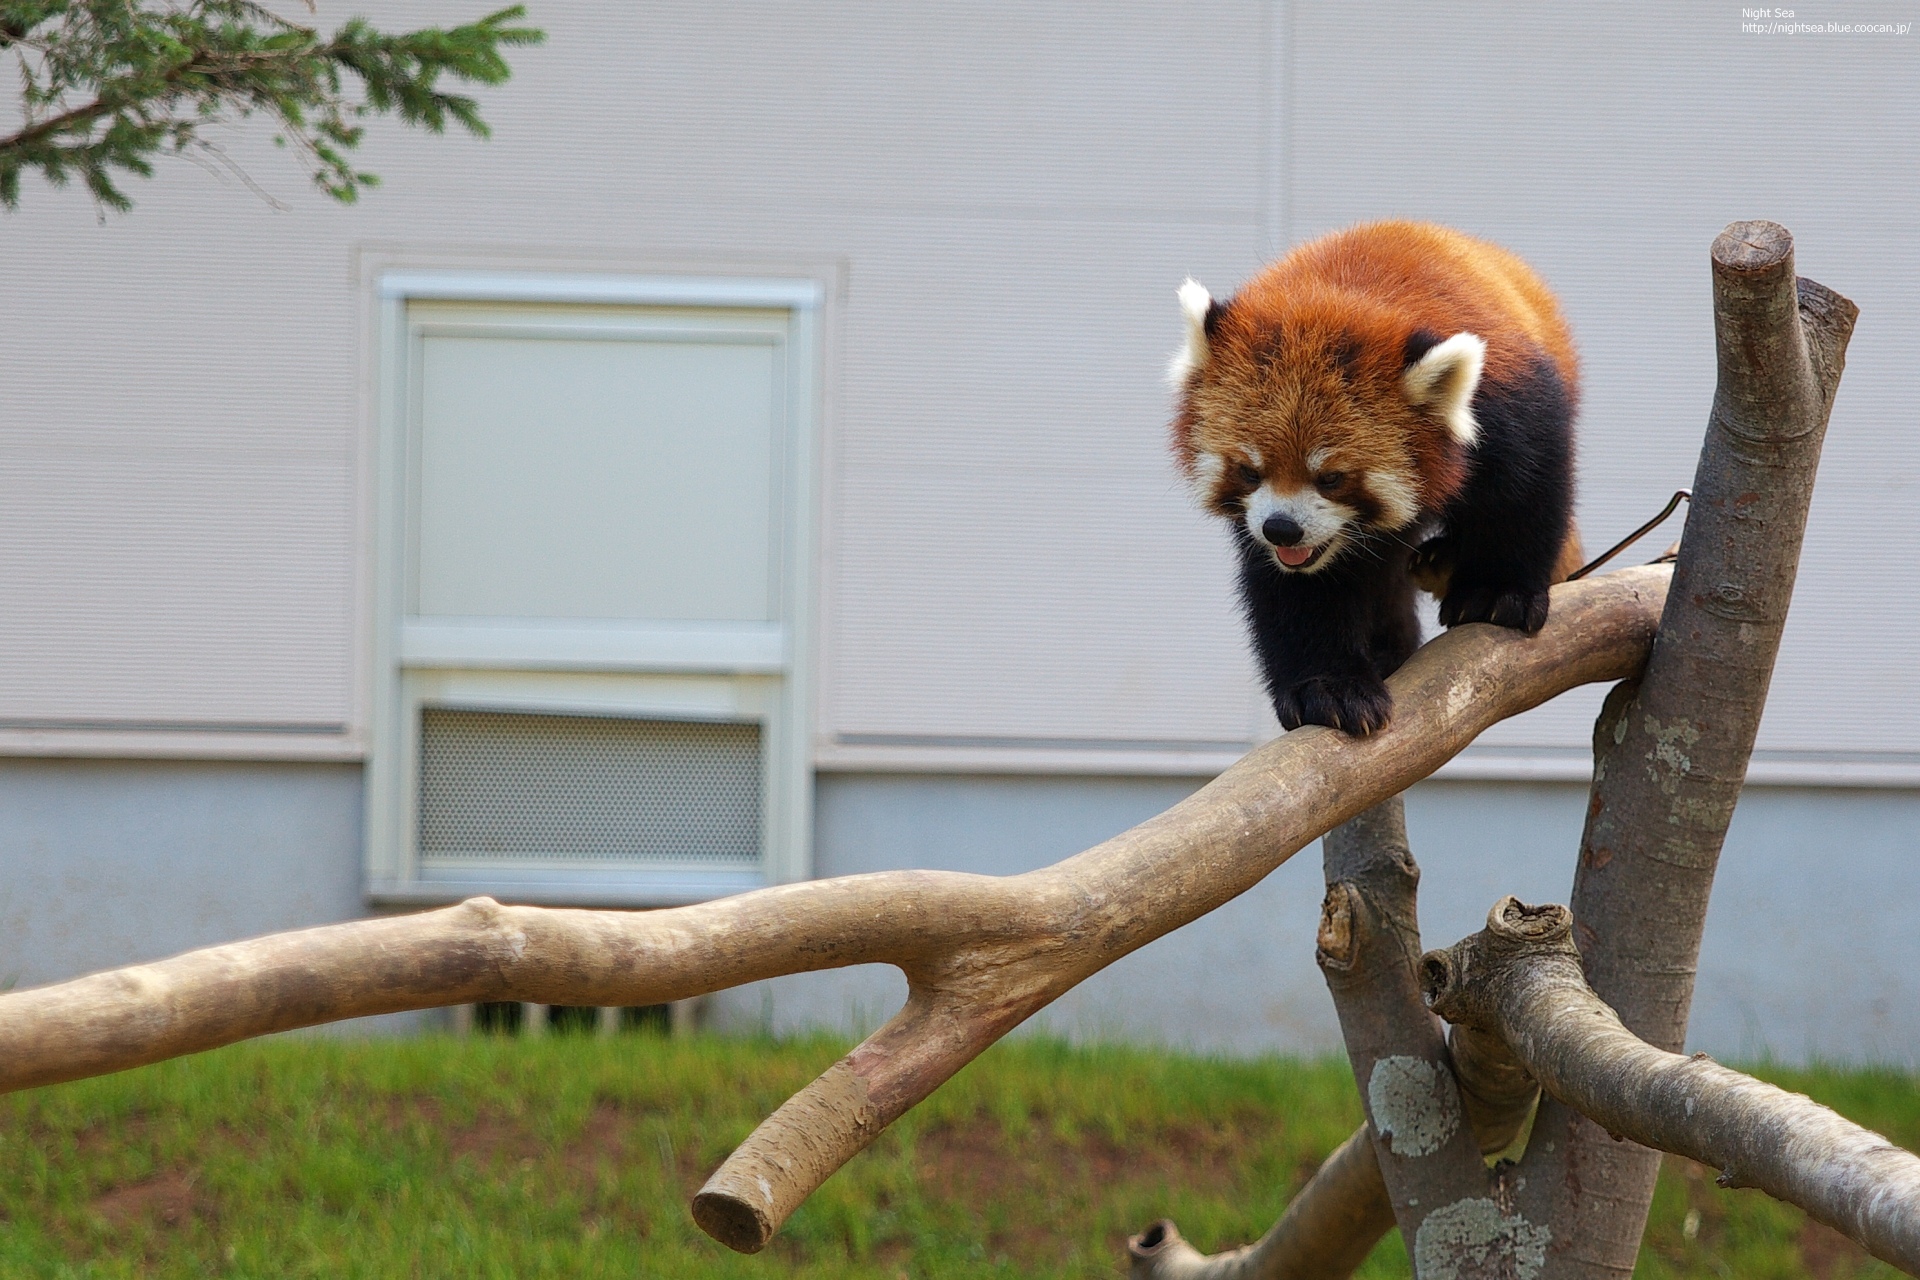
x=981 y=953
x=1520 y=979
x=1369 y=950
x=1672 y=750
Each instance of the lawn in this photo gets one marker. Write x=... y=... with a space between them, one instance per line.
x=575 y=1156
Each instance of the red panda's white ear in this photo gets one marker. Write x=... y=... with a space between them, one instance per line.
x=1195 y=302
x=1443 y=381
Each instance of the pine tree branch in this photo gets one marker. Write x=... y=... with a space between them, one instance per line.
x=155 y=76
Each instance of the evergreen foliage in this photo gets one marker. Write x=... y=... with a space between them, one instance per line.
x=107 y=85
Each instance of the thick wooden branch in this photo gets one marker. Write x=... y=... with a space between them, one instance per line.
x=980 y=953
x=1520 y=979
x=1671 y=751
x=1496 y=1088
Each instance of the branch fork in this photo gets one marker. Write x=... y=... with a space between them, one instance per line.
x=1520 y=979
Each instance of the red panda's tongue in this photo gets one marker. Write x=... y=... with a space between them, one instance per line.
x=1294 y=557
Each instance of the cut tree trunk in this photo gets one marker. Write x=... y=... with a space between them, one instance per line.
x=1432 y=1112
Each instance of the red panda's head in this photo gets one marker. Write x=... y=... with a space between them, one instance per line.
x=1326 y=424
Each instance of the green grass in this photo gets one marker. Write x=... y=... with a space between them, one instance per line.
x=573 y=1156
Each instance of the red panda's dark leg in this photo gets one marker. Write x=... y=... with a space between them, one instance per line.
x=1396 y=626
x=1508 y=524
x=1325 y=641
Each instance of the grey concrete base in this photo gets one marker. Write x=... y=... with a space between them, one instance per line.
x=1797 y=964
x=107 y=862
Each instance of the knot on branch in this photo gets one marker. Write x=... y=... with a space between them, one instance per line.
x=1513 y=921
x=1372 y=882
x=1461 y=983
x=1334 y=945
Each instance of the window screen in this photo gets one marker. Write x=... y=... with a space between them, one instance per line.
x=594 y=790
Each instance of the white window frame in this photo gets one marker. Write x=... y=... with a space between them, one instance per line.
x=754 y=671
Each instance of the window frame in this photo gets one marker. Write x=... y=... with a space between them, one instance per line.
x=748 y=671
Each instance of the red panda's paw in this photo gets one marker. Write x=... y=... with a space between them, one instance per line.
x=1517 y=607
x=1357 y=704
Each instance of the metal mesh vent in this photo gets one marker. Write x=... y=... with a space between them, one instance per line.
x=588 y=789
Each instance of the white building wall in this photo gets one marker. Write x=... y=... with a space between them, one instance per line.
x=1012 y=577
x=1003 y=198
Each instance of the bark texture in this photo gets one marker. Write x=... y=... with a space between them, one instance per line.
x=981 y=953
x=1520 y=979
x=1369 y=951
x=1671 y=751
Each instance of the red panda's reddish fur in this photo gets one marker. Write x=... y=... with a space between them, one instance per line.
x=1320 y=338
x=1386 y=407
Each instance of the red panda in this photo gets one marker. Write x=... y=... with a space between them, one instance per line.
x=1387 y=405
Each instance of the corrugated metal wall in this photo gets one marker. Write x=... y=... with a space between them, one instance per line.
x=1609 y=145
x=1009 y=193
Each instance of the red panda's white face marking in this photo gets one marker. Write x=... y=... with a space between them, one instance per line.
x=1315 y=521
x=1302 y=527
x=1319 y=437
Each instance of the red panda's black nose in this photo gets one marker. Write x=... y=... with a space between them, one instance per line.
x=1280 y=531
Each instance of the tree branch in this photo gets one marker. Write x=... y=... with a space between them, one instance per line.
x=1520 y=979
x=980 y=953
x=1369 y=950
x=1327 y=1231
x=1671 y=750
x=149 y=78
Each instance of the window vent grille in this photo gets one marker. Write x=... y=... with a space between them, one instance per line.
x=587 y=790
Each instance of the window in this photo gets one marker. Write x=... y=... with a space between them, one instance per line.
x=594 y=559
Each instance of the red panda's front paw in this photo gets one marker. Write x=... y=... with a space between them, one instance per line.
x=1516 y=607
x=1358 y=704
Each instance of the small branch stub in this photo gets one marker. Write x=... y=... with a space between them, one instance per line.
x=1334 y=942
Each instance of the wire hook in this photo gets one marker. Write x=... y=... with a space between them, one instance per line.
x=1678 y=497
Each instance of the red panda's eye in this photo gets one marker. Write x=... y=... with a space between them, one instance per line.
x=1247 y=476
x=1330 y=480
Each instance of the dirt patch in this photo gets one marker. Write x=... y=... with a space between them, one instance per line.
x=129 y=1131
x=979 y=1164
x=167 y=1200
x=492 y=1140
x=1828 y=1254
x=602 y=1142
